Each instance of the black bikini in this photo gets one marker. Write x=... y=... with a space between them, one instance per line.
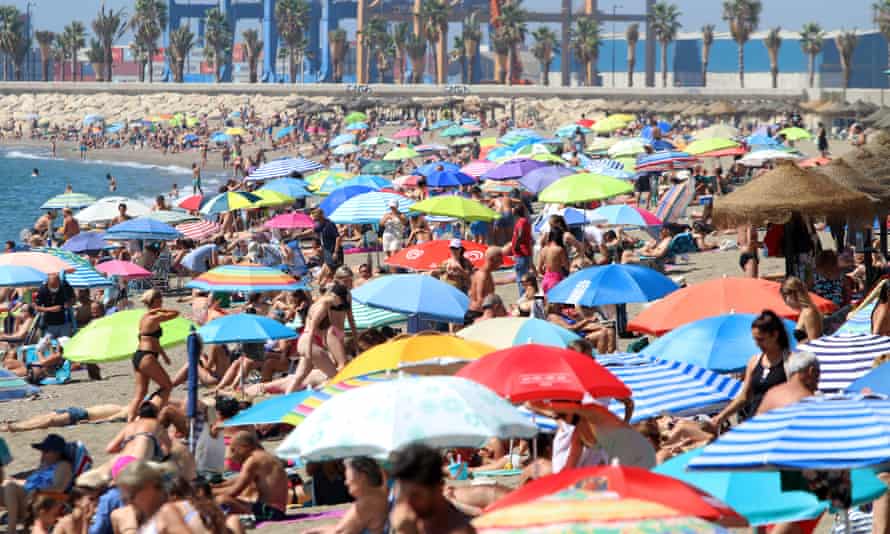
x=139 y=354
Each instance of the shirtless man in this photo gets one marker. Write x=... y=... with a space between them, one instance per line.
x=311 y=346
x=803 y=381
x=553 y=261
x=44 y=224
x=70 y=416
x=261 y=470
x=121 y=214
x=70 y=226
x=482 y=282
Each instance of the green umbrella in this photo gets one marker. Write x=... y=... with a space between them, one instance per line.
x=463 y=141
x=116 y=337
x=380 y=167
x=455 y=206
x=454 y=131
x=709 y=145
x=795 y=134
x=583 y=187
x=399 y=154
x=355 y=116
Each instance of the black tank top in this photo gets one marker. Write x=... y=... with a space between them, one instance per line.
x=762 y=379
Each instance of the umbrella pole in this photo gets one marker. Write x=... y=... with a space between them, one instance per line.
x=882 y=224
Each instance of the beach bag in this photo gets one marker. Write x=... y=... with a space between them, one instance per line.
x=775 y=235
x=210 y=452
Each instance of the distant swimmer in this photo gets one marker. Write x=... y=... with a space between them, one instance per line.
x=112 y=182
x=35 y=172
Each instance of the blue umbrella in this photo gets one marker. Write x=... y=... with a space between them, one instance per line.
x=415 y=294
x=19 y=276
x=758 y=495
x=342 y=139
x=367 y=180
x=441 y=123
x=90 y=119
x=661 y=144
x=190 y=138
x=220 y=137
x=612 y=284
x=193 y=345
x=877 y=381
x=292 y=187
x=142 y=228
x=270 y=411
x=85 y=242
x=114 y=128
x=648 y=132
x=429 y=168
x=340 y=195
x=762 y=140
x=622 y=214
x=722 y=343
x=859 y=322
x=368 y=208
x=284 y=132
x=498 y=153
x=244 y=328
x=449 y=179
x=356 y=127
x=844 y=358
x=538 y=179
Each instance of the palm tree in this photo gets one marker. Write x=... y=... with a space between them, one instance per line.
x=96 y=58
x=459 y=53
x=45 y=40
x=545 y=44
x=181 y=42
x=586 y=43
x=846 y=45
x=217 y=41
x=811 y=39
x=665 y=25
x=632 y=37
x=338 y=49
x=415 y=46
x=109 y=26
x=743 y=17
x=74 y=35
x=511 y=22
x=400 y=34
x=707 y=39
x=882 y=19
x=251 y=46
x=60 y=54
x=290 y=18
x=13 y=41
x=435 y=15
x=772 y=42
x=384 y=51
x=148 y=22
x=501 y=46
x=376 y=40
x=471 y=34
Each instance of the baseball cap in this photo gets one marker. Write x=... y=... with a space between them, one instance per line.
x=51 y=443
x=456 y=243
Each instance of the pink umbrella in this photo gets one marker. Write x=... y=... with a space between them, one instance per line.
x=290 y=220
x=408 y=180
x=199 y=230
x=43 y=262
x=406 y=133
x=478 y=168
x=123 y=269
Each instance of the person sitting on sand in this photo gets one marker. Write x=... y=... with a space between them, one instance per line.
x=369 y=514
x=70 y=416
x=261 y=470
x=45 y=513
x=143 y=488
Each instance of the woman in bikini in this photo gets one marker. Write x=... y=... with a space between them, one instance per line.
x=311 y=345
x=338 y=314
x=146 y=362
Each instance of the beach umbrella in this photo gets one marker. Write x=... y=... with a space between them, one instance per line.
x=41 y=261
x=368 y=208
x=68 y=200
x=355 y=116
x=380 y=167
x=144 y=228
x=115 y=337
x=503 y=186
x=245 y=277
x=317 y=179
x=84 y=274
x=584 y=187
x=612 y=284
x=627 y=482
x=513 y=169
x=85 y=242
x=607 y=125
x=795 y=134
x=340 y=195
x=369 y=317
x=449 y=179
x=199 y=230
x=269 y=198
x=517 y=135
x=759 y=496
x=192 y=203
x=824 y=432
x=648 y=131
x=244 y=328
x=436 y=166
x=377 y=141
x=624 y=215
x=665 y=161
x=400 y=154
x=526 y=373
x=534 y=149
x=230 y=201
x=292 y=187
x=407 y=133
x=724 y=153
x=345 y=149
x=859 y=320
x=457 y=207
x=762 y=140
x=590 y=511
x=356 y=127
x=368 y=180
x=20 y=276
x=478 y=168
x=875 y=381
x=628 y=148
x=601 y=144
x=415 y=294
x=504 y=332
x=540 y=178
x=284 y=167
x=569 y=130
x=284 y=132
x=498 y=154
x=105 y=209
x=235 y=131
x=711 y=144
x=433 y=354
x=441 y=123
x=91 y=119
x=455 y=131
x=124 y=269
x=758 y=157
x=290 y=221
x=430 y=255
x=717 y=130
x=721 y=343
x=438 y=411
x=844 y=358
x=715 y=297
x=422 y=149
x=170 y=217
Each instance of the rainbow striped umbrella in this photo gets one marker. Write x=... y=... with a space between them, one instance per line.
x=301 y=411
x=245 y=277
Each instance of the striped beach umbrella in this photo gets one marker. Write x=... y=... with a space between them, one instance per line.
x=859 y=322
x=665 y=161
x=845 y=357
x=68 y=200
x=673 y=204
x=142 y=228
x=370 y=317
x=301 y=411
x=368 y=208
x=478 y=168
x=233 y=200
x=199 y=230
x=829 y=432
x=283 y=167
x=677 y=388
x=84 y=274
x=172 y=216
x=245 y=277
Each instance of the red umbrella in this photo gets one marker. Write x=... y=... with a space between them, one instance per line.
x=725 y=152
x=533 y=372
x=586 y=123
x=428 y=256
x=192 y=203
x=628 y=482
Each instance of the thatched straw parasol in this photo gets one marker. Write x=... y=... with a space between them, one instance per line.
x=721 y=108
x=841 y=172
x=873 y=159
x=775 y=195
x=812 y=105
x=833 y=108
x=862 y=108
x=875 y=116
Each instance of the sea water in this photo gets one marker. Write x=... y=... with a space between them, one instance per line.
x=22 y=194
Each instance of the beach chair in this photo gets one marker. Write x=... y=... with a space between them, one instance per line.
x=30 y=355
x=160 y=273
x=673 y=204
x=679 y=247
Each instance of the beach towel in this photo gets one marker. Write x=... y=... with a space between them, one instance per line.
x=303 y=518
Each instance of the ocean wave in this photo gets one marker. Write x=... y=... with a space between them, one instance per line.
x=167 y=169
x=17 y=154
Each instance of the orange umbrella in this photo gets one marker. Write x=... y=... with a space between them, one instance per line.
x=716 y=297
x=43 y=262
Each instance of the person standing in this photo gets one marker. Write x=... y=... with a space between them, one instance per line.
x=146 y=360
x=196 y=180
x=521 y=245
x=822 y=141
x=54 y=300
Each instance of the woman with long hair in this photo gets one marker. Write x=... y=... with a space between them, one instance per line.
x=797 y=297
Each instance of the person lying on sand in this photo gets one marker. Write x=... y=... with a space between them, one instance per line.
x=72 y=415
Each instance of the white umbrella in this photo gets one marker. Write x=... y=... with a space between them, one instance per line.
x=759 y=157
x=105 y=209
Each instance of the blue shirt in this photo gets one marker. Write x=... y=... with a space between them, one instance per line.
x=109 y=501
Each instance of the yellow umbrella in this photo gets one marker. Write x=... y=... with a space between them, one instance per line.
x=625 y=117
x=609 y=125
x=437 y=354
x=488 y=141
x=270 y=198
x=236 y=131
x=549 y=158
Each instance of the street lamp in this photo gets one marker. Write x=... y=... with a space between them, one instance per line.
x=614 y=10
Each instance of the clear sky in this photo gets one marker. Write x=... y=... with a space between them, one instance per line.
x=790 y=14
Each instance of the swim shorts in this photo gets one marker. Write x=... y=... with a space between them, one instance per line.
x=263 y=512
x=75 y=414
